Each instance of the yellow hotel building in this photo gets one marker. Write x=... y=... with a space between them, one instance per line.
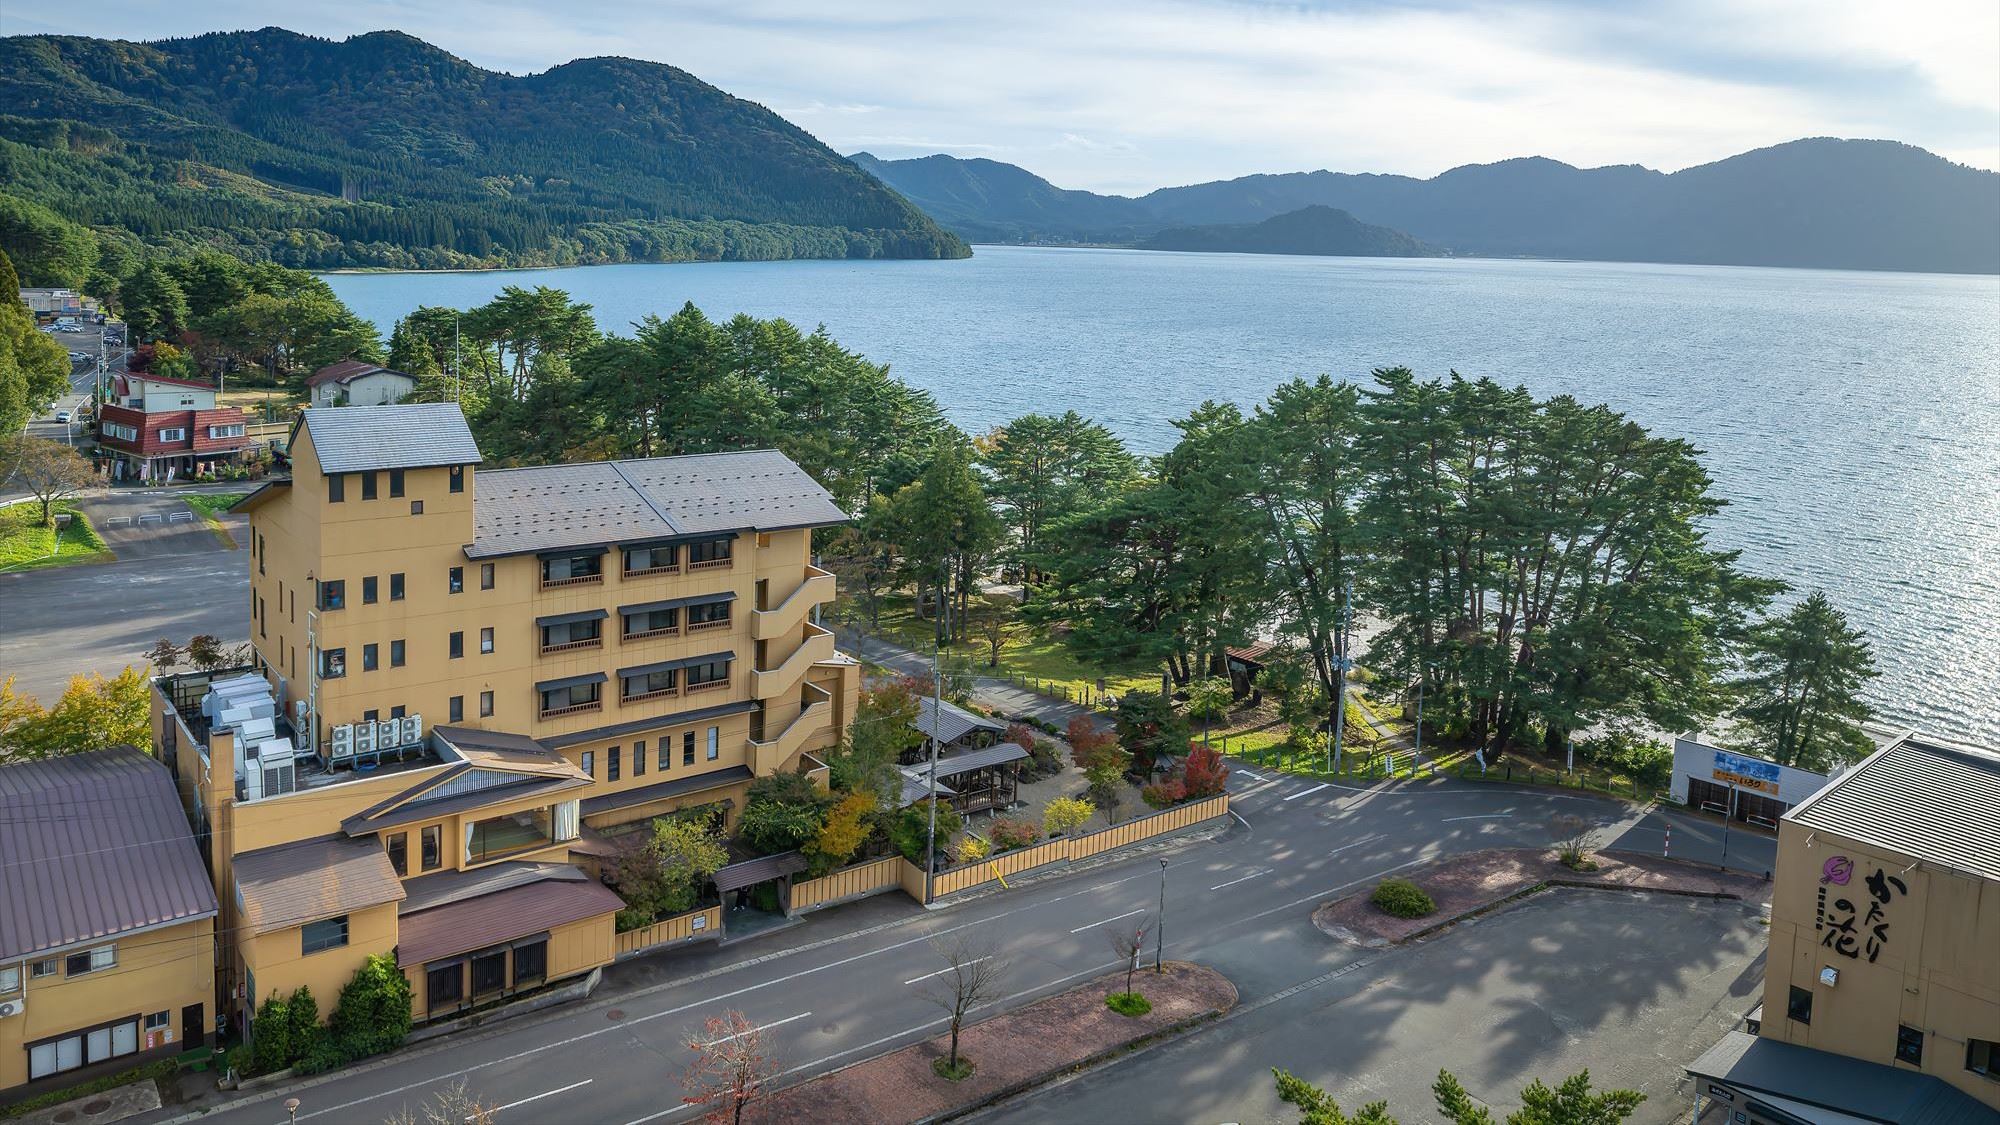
x=464 y=679
x=1882 y=986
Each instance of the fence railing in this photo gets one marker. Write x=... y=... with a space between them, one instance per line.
x=667 y=931
x=1070 y=848
x=858 y=881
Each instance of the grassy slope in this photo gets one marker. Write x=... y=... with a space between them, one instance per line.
x=25 y=543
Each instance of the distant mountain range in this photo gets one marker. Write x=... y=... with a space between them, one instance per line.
x=1825 y=203
x=1309 y=230
x=382 y=150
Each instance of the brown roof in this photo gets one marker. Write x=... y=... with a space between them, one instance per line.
x=758 y=870
x=428 y=891
x=515 y=753
x=461 y=927
x=93 y=845
x=318 y=878
x=1259 y=654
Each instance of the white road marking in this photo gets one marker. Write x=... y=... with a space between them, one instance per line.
x=755 y=1030
x=1244 y=879
x=1307 y=792
x=1094 y=925
x=1246 y=773
x=943 y=971
x=1355 y=844
x=536 y=1098
x=1481 y=816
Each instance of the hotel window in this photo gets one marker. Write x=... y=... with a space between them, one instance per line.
x=332 y=663
x=1909 y=1045
x=712 y=672
x=398 y=711
x=458 y=478
x=399 y=853
x=395 y=482
x=1799 y=1005
x=588 y=762
x=708 y=552
x=176 y=433
x=395 y=587
x=10 y=979
x=708 y=613
x=640 y=559
x=336 y=488
x=714 y=743
x=687 y=749
x=327 y=933
x=486 y=640
x=333 y=595
x=1982 y=1056
x=457 y=709
x=486 y=576
x=91 y=961
x=639 y=758
x=369 y=657
x=444 y=986
x=505 y=835
x=416 y=507
x=612 y=755
x=368 y=486
x=575 y=695
x=455 y=583
x=433 y=847
x=666 y=753
x=395 y=654
x=650 y=684
x=485 y=704
x=371 y=715
x=571 y=633
x=457 y=645
x=572 y=568
x=368 y=590
x=651 y=621
x=531 y=962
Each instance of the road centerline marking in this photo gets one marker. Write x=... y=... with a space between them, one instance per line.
x=1243 y=879
x=1307 y=792
x=1094 y=925
x=946 y=969
x=1481 y=816
x=1355 y=844
x=755 y=1030
x=536 y=1097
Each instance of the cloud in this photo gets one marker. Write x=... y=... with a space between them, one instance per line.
x=1127 y=95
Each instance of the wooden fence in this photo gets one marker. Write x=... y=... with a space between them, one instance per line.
x=858 y=881
x=692 y=926
x=1068 y=848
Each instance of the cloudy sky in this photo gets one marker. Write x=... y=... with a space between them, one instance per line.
x=1129 y=95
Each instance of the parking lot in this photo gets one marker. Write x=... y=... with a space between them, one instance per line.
x=83 y=346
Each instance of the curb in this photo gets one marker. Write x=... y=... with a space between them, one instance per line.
x=1151 y=1039
x=1537 y=888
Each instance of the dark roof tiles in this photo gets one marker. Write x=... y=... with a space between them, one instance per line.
x=310 y=879
x=93 y=845
x=408 y=435
x=1928 y=801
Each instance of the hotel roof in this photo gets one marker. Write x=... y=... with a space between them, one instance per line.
x=600 y=503
x=406 y=435
x=1925 y=799
x=95 y=845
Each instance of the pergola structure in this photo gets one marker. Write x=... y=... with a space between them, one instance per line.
x=987 y=778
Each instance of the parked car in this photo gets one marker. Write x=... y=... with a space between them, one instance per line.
x=63 y=417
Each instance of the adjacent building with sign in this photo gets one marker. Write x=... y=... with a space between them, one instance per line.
x=1738 y=785
x=1882 y=985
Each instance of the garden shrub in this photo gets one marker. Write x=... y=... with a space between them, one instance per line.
x=846 y=829
x=1402 y=898
x=1066 y=814
x=972 y=849
x=304 y=1019
x=1020 y=734
x=373 y=1015
x=1043 y=758
x=271 y=1036
x=1164 y=794
x=665 y=875
x=783 y=812
x=1204 y=774
x=1008 y=834
x=1128 y=1003
x=909 y=831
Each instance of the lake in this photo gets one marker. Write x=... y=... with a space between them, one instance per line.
x=1851 y=419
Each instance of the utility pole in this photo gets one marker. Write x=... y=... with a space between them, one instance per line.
x=1423 y=673
x=1340 y=672
x=456 y=359
x=937 y=708
x=1160 y=931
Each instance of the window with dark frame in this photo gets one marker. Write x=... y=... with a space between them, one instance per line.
x=666 y=752
x=489 y=972
x=457 y=644
x=485 y=704
x=368 y=486
x=1799 y=1005
x=708 y=552
x=327 y=933
x=714 y=743
x=444 y=986
x=395 y=482
x=486 y=640
x=1909 y=1045
x=395 y=654
x=399 y=853
x=531 y=963
x=369 y=657
x=687 y=749
x=458 y=478
x=332 y=663
x=336 y=488
x=333 y=594
x=639 y=758
x=587 y=762
x=486 y=576
x=433 y=847
x=455 y=582
x=416 y=507
x=396 y=587
x=708 y=613
x=368 y=590
x=398 y=711
x=612 y=756
x=457 y=708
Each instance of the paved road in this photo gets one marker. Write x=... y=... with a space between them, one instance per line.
x=57 y=623
x=845 y=985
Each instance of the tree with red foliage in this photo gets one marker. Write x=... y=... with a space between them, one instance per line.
x=1020 y=734
x=1204 y=774
x=1090 y=747
x=733 y=1062
x=1164 y=794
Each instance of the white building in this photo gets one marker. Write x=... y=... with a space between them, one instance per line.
x=354 y=382
x=1748 y=788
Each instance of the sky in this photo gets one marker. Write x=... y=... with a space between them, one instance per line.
x=1129 y=95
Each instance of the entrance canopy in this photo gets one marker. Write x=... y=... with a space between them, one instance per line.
x=760 y=870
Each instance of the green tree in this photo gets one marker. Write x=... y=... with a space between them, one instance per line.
x=782 y=812
x=1802 y=701
x=34 y=369
x=865 y=761
x=1043 y=469
x=846 y=829
x=154 y=303
x=1208 y=699
x=1317 y=1107
x=1150 y=729
x=909 y=831
x=665 y=874
x=1574 y=1102
x=93 y=713
x=373 y=1013
x=946 y=531
x=46 y=248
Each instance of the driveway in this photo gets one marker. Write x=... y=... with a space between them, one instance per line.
x=69 y=620
x=149 y=525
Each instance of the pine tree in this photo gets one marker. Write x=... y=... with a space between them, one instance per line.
x=1802 y=697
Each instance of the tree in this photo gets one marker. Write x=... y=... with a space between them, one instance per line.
x=154 y=303
x=1150 y=727
x=1127 y=940
x=846 y=829
x=1204 y=773
x=1572 y=1103
x=1802 y=695
x=51 y=471
x=998 y=625
x=1044 y=469
x=1064 y=815
x=910 y=830
x=373 y=1014
x=34 y=369
x=782 y=812
x=1208 y=699
x=733 y=1062
x=865 y=761
x=454 y=1105
x=945 y=531
x=93 y=713
x=666 y=873
x=46 y=248
x=1316 y=1107
x=972 y=976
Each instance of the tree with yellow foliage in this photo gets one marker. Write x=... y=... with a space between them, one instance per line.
x=92 y=714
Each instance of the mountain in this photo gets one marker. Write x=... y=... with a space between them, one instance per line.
x=1308 y=230
x=1821 y=202
x=987 y=201
x=382 y=150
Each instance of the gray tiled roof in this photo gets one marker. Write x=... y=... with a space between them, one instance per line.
x=953 y=722
x=1821 y=1080
x=555 y=506
x=1926 y=800
x=94 y=845
x=412 y=435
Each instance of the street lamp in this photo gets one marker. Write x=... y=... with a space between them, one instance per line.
x=292 y=1110
x=1160 y=931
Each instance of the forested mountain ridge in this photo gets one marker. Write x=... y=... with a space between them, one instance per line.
x=382 y=150
x=1316 y=229
x=989 y=201
x=1818 y=202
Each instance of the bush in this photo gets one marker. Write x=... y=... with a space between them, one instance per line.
x=1204 y=774
x=1020 y=734
x=1043 y=759
x=1008 y=834
x=373 y=1015
x=1402 y=898
x=909 y=832
x=1128 y=1003
x=1066 y=814
x=1164 y=794
x=323 y=1055
x=271 y=1037
x=782 y=813
x=971 y=849
x=304 y=1019
x=846 y=829
x=1649 y=763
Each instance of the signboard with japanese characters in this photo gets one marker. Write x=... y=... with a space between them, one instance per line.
x=1745 y=773
x=1855 y=921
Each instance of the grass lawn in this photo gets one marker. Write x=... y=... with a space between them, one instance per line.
x=26 y=545
x=210 y=506
x=1042 y=660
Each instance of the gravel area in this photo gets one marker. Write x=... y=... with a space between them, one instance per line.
x=1468 y=884
x=1009 y=1052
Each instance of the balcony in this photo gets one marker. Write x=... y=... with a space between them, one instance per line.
x=816 y=644
x=648 y=696
x=573 y=646
x=712 y=564
x=708 y=626
x=779 y=620
x=580 y=580
x=653 y=634
x=771 y=754
x=712 y=685
x=653 y=571
x=572 y=709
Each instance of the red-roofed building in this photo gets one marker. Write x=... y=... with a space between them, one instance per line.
x=157 y=428
x=356 y=382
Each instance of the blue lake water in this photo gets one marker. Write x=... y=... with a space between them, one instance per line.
x=1852 y=419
